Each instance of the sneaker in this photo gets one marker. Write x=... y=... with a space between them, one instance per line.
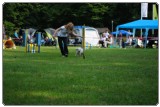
x=66 y=55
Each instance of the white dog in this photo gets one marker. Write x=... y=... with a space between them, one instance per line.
x=79 y=51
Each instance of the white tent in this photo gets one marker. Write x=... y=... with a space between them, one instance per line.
x=91 y=35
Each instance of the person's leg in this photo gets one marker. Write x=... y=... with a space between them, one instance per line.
x=105 y=44
x=123 y=45
x=60 y=39
x=109 y=43
x=120 y=43
x=102 y=43
x=65 y=44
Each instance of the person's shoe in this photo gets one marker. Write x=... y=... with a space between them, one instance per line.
x=66 y=55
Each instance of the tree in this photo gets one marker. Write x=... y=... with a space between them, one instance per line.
x=44 y=15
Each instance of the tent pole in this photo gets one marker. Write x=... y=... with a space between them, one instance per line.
x=116 y=35
x=134 y=30
x=146 y=35
x=116 y=32
x=141 y=29
x=83 y=41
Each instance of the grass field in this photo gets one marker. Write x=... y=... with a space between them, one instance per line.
x=105 y=77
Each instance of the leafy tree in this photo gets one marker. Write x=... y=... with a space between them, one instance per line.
x=10 y=28
x=44 y=15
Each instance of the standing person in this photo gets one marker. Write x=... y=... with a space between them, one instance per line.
x=63 y=33
x=129 y=33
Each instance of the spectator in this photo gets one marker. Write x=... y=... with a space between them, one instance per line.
x=140 y=42
x=102 y=40
x=109 y=41
x=106 y=33
x=48 y=42
x=128 y=41
x=128 y=33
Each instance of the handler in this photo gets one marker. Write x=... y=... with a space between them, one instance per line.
x=63 y=32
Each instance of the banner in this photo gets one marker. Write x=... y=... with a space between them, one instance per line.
x=144 y=10
x=155 y=15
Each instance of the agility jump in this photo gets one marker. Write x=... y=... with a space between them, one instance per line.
x=31 y=47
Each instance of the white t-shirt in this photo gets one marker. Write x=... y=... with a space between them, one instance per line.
x=103 y=39
x=106 y=34
x=63 y=32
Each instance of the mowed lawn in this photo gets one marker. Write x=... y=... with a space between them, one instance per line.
x=106 y=77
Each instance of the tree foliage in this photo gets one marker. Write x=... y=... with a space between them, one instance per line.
x=44 y=15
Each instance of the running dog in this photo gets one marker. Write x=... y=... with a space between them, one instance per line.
x=79 y=51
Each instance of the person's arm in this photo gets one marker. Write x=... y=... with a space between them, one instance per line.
x=28 y=37
x=58 y=29
x=74 y=34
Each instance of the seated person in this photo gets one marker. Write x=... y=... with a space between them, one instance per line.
x=134 y=42
x=106 y=33
x=20 y=40
x=140 y=42
x=128 y=41
x=109 y=41
x=102 y=40
x=48 y=42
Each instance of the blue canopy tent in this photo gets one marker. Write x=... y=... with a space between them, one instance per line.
x=124 y=32
x=140 y=24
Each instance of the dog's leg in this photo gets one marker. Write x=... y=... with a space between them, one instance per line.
x=79 y=54
x=76 y=53
x=83 y=55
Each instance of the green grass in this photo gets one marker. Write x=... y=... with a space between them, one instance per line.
x=105 y=77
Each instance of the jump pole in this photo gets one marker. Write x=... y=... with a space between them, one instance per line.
x=83 y=40
x=38 y=39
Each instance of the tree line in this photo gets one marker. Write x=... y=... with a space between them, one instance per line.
x=53 y=15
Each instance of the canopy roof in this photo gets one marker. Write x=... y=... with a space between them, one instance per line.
x=124 y=32
x=140 y=24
